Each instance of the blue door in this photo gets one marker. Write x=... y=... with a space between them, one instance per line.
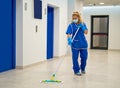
x=7 y=35
x=50 y=32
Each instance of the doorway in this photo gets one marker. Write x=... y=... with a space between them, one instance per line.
x=7 y=34
x=99 y=32
x=50 y=32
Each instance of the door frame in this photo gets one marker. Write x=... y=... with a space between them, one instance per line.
x=56 y=29
x=92 y=21
x=14 y=34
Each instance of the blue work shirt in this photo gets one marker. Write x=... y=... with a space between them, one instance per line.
x=79 y=41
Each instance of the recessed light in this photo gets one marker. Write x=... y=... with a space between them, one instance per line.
x=101 y=3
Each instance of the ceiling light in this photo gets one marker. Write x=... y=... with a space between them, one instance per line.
x=101 y=3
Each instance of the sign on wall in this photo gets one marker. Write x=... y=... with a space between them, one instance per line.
x=38 y=9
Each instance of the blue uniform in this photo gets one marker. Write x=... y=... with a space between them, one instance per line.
x=79 y=45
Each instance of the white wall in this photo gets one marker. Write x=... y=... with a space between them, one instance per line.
x=19 y=32
x=33 y=45
x=114 y=20
x=56 y=30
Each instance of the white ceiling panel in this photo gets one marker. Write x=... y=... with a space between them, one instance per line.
x=106 y=2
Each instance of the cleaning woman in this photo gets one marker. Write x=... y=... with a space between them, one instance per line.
x=76 y=39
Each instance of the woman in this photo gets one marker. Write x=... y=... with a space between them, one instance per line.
x=76 y=39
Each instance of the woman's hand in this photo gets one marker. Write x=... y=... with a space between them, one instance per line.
x=68 y=35
x=86 y=32
x=69 y=39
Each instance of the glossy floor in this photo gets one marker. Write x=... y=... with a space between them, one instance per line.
x=103 y=71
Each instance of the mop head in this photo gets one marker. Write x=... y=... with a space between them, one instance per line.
x=52 y=80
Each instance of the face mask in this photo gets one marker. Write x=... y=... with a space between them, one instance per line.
x=75 y=21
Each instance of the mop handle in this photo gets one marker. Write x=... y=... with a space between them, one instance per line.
x=59 y=64
x=76 y=33
x=75 y=36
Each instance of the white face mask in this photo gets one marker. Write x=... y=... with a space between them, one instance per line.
x=75 y=20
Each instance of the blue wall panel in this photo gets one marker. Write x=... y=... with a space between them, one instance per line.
x=7 y=59
x=50 y=32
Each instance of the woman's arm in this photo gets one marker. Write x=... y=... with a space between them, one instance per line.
x=86 y=29
x=86 y=32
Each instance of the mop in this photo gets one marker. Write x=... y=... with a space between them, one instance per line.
x=52 y=78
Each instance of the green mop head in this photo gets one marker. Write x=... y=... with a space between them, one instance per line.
x=55 y=81
x=52 y=79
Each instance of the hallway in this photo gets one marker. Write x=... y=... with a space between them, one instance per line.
x=103 y=71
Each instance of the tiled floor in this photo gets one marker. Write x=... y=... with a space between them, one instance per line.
x=103 y=71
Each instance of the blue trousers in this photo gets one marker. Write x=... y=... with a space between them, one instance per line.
x=83 y=55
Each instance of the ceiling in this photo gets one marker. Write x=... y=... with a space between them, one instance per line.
x=106 y=2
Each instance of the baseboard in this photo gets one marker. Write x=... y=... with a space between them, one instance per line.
x=30 y=65
x=38 y=63
x=114 y=49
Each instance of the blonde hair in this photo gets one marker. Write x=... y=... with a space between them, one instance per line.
x=78 y=15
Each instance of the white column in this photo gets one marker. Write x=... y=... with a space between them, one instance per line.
x=78 y=5
x=74 y=5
